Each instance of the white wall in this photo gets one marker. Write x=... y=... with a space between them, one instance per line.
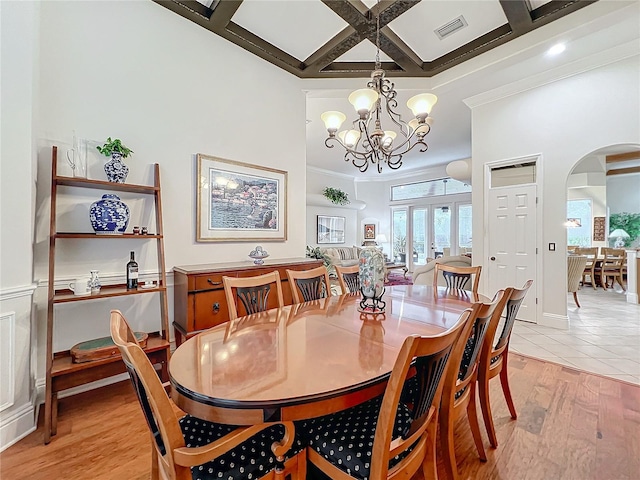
x=561 y=122
x=317 y=181
x=18 y=20
x=169 y=90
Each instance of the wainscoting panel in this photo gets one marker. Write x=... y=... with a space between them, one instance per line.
x=7 y=359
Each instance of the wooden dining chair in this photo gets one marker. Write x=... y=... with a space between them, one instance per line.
x=310 y=284
x=459 y=391
x=252 y=293
x=457 y=278
x=612 y=267
x=349 y=278
x=494 y=357
x=386 y=437
x=589 y=269
x=195 y=449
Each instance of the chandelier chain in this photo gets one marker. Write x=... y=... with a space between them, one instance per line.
x=378 y=36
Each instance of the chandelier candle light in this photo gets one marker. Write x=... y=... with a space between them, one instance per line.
x=366 y=142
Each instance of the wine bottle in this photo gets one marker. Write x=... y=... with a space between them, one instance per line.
x=132 y=273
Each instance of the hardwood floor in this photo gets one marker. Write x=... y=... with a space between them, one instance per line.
x=571 y=425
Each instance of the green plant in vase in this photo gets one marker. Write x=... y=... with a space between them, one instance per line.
x=336 y=196
x=115 y=169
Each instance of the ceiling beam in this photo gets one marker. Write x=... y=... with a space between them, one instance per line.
x=623 y=171
x=518 y=15
x=623 y=157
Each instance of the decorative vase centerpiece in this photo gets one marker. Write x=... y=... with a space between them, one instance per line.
x=109 y=216
x=115 y=169
x=258 y=255
x=371 y=280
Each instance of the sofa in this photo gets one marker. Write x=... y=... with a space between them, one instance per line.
x=423 y=275
x=342 y=256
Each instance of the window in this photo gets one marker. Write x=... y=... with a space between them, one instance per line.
x=464 y=228
x=432 y=188
x=399 y=235
x=580 y=227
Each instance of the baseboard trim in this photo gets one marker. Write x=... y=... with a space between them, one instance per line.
x=552 y=320
x=16 y=426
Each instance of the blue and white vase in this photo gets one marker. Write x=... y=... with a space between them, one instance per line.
x=116 y=170
x=371 y=274
x=109 y=216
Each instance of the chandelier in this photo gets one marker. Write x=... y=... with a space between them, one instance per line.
x=367 y=142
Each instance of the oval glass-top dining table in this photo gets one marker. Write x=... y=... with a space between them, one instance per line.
x=305 y=360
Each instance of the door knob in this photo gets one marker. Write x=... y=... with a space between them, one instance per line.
x=493 y=259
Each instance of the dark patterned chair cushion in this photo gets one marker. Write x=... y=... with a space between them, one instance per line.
x=248 y=461
x=346 y=438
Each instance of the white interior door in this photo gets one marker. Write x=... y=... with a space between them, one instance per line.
x=512 y=242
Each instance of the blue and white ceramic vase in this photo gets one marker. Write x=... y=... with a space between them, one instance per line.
x=371 y=274
x=116 y=170
x=109 y=216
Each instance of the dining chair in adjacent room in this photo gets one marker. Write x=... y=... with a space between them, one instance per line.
x=307 y=285
x=460 y=384
x=457 y=278
x=386 y=437
x=575 y=268
x=612 y=266
x=589 y=269
x=252 y=293
x=349 y=278
x=195 y=449
x=494 y=358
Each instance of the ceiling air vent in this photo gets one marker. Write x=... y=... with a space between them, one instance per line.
x=450 y=27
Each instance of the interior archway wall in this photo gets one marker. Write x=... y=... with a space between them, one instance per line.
x=558 y=121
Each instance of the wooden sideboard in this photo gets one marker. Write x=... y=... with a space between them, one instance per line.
x=199 y=301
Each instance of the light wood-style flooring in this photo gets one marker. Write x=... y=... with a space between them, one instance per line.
x=571 y=425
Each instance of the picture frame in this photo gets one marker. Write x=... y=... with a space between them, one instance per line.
x=330 y=229
x=239 y=202
x=369 y=231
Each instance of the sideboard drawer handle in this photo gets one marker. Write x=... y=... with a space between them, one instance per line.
x=216 y=307
x=213 y=283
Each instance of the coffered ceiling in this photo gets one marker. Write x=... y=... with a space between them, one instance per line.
x=336 y=38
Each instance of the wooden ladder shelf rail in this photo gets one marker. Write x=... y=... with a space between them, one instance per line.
x=61 y=372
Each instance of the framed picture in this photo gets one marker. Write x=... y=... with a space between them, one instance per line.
x=330 y=229
x=369 y=231
x=240 y=202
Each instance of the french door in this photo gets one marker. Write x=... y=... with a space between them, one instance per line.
x=424 y=232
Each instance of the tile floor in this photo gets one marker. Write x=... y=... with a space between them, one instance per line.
x=603 y=337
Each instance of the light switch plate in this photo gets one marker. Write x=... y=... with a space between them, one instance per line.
x=552 y=247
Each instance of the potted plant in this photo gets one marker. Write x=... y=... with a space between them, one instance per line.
x=116 y=170
x=336 y=196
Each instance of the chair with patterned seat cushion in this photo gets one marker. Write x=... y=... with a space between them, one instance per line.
x=386 y=438
x=457 y=278
x=307 y=285
x=459 y=391
x=195 y=449
x=493 y=359
x=349 y=278
x=252 y=293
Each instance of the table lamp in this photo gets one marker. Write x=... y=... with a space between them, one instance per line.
x=381 y=240
x=619 y=234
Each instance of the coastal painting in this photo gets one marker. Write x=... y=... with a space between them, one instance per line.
x=330 y=229
x=239 y=201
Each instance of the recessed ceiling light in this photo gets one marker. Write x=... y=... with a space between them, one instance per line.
x=557 y=49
